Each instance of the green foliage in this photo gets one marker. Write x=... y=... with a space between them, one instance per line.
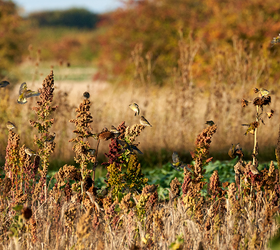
x=72 y=18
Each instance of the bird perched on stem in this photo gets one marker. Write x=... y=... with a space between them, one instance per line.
x=134 y=106
x=176 y=164
x=50 y=138
x=254 y=169
x=25 y=93
x=115 y=131
x=144 y=122
x=210 y=123
x=10 y=125
x=86 y=95
x=264 y=92
x=235 y=150
x=29 y=152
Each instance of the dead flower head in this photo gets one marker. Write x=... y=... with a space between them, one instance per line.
x=262 y=101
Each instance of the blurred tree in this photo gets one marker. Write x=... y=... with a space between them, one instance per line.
x=75 y=17
x=157 y=25
x=13 y=36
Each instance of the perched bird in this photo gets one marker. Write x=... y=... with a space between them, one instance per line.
x=95 y=136
x=254 y=169
x=103 y=192
x=86 y=95
x=50 y=138
x=235 y=150
x=10 y=125
x=114 y=130
x=92 y=151
x=144 y=122
x=29 y=152
x=135 y=108
x=210 y=123
x=130 y=147
x=264 y=92
x=25 y=93
x=106 y=135
x=4 y=84
x=176 y=164
x=151 y=188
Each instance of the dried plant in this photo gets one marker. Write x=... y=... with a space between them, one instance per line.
x=82 y=147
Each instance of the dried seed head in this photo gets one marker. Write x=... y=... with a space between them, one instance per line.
x=27 y=213
x=262 y=101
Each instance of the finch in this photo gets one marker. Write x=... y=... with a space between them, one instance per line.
x=135 y=108
x=176 y=164
x=10 y=125
x=25 y=93
x=29 y=152
x=210 y=123
x=254 y=169
x=50 y=138
x=264 y=92
x=144 y=122
x=86 y=95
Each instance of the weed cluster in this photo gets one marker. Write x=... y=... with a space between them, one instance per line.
x=74 y=212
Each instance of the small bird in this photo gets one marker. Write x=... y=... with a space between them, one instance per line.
x=92 y=151
x=264 y=92
x=25 y=93
x=176 y=164
x=134 y=106
x=95 y=136
x=210 y=123
x=114 y=130
x=254 y=169
x=86 y=95
x=106 y=135
x=270 y=114
x=103 y=192
x=144 y=122
x=10 y=125
x=50 y=138
x=251 y=127
x=235 y=150
x=29 y=152
x=4 y=84
x=130 y=147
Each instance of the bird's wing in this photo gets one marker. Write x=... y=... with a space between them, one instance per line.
x=30 y=93
x=22 y=88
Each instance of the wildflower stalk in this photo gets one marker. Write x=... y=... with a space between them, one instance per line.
x=82 y=147
x=255 y=136
x=44 y=113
